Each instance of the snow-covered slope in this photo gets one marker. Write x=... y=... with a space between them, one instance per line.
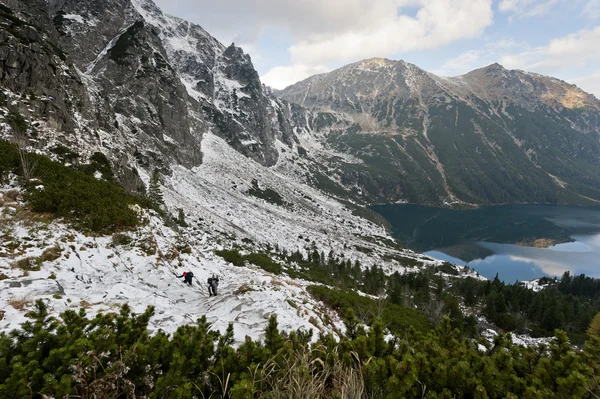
x=152 y=92
x=100 y=275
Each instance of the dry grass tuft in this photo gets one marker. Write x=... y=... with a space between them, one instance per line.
x=86 y=305
x=12 y=195
x=243 y=289
x=300 y=376
x=31 y=264
x=19 y=303
x=51 y=254
x=277 y=282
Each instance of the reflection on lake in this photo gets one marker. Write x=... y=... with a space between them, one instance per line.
x=484 y=238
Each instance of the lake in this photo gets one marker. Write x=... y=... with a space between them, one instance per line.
x=519 y=242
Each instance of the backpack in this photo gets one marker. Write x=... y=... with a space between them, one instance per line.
x=190 y=274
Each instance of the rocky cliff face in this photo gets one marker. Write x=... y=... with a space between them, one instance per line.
x=490 y=136
x=120 y=76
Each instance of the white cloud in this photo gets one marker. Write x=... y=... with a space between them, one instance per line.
x=527 y=8
x=572 y=51
x=384 y=31
x=438 y=22
x=282 y=76
x=244 y=20
x=473 y=59
x=576 y=53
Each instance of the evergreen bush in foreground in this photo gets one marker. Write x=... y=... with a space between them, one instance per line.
x=114 y=356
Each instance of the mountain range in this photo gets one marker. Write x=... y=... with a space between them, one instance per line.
x=490 y=136
x=146 y=87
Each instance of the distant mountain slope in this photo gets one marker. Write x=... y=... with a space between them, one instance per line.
x=490 y=136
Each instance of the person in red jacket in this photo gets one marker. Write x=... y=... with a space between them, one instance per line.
x=187 y=277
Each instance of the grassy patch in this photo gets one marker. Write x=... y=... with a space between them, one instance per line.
x=364 y=250
x=403 y=260
x=19 y=303
x=121 y=239
x=30 y=264
x=243 y=289
x=51 y=254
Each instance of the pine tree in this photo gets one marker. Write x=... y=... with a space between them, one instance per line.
x=181 y=218
x=154 y=191
x=273 y=338
x=594 y=328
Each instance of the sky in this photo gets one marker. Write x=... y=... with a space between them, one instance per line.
x=290 y=40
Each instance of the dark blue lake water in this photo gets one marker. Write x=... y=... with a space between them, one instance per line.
x=486 y=238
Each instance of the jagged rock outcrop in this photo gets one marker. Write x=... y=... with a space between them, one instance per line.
x=141 y=86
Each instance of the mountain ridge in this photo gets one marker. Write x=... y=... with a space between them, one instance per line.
x=538 y=132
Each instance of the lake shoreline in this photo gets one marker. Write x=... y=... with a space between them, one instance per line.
x=519 y=242
x=542 y=242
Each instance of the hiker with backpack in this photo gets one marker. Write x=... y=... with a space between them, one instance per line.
x=187 y=277
x=213 y=282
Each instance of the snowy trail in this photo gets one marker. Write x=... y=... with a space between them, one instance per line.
x=94 y=274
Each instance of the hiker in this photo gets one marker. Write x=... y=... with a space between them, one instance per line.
x=187 y=277
x=213 y=282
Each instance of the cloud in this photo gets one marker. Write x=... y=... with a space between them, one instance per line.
x=244 y=20
x=572 y=51
x=437 y=22
x=473 y=59
x=527 y=8
x=282 y=76
x=378 y=28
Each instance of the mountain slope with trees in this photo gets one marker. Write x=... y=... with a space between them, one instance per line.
x=488 y=137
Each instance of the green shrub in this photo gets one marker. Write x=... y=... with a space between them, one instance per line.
x=116 y=356
x=99 y=163
x=397 y=318
x=265 y=262
x=86 y=202
x=121 y=239
x=231 y=256
x=448 y=268
x=17 y=122
x=64 y=154
x=261 y=260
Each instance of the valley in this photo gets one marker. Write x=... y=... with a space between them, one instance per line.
x=135 y=146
